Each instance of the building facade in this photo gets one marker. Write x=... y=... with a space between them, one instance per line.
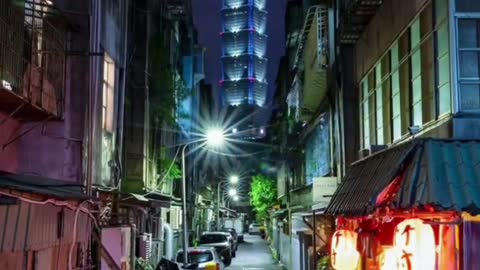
x=418 y=98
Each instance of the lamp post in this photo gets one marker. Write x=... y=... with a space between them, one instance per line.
x=213 y=138
x=233 y=180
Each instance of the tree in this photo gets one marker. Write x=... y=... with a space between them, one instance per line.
x=263 y=195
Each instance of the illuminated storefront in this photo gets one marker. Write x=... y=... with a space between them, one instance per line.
x=413 y=211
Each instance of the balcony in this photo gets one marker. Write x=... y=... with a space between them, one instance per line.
x=309 y=87
x=356 y=14
x=32 y=61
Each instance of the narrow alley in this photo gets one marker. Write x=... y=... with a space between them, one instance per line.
x=254 y=254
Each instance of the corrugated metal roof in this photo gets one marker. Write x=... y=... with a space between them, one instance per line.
x=367 y=178
x=445 y=174
x=440 y=173
x=42 y=185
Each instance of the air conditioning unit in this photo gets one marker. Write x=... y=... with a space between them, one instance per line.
x=145 y=245
x=363 y=153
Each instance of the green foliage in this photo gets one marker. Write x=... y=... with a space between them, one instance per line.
x=324 y=263
x=165 y=163
x=263 y=195
x=142 y=264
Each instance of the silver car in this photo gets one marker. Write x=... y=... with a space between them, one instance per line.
x=205 y=257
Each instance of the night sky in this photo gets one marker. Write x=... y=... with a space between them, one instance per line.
x=206 y=15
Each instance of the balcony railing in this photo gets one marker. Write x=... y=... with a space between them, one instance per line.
x=32 y=60
x=356 y=14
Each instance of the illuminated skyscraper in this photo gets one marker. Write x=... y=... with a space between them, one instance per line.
x=244 y=46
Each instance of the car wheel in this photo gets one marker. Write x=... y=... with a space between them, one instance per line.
x=228 y=261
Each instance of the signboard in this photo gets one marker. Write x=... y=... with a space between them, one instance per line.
x=323 y=189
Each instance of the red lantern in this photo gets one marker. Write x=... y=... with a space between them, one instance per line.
x=344 y=254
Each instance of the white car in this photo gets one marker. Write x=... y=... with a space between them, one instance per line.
x=254 y=228
x=206 y=257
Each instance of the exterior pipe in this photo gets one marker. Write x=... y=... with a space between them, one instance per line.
x=121 y=107
x=168 y=232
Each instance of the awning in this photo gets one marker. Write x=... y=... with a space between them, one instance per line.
x=42 y=186
x=151 y=199
x=444 y=174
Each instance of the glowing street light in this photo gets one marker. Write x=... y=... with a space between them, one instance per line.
x=214 y=138
x=235 y=198
x=232 y=192
x=234 y=179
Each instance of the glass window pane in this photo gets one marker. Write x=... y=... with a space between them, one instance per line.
x=417 y=114
x=444 y=99
x=443 y=39
x=416 y=64
x=365 y=88
x=379 y=117
x=470 y=96
x=468 y=33
x=397 y=128
x=395 y=82
x=415 y=35
x=394 y=55
x=380 y=136
x=444 y=69
x=378 y=73
x=467 y=6
x=417 y=90
x=396 y=105
x=379 y=97
x=441 y=10
x=469 y=64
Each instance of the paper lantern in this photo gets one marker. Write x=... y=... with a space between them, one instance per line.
x=389 y=259
x=415 y=245
x=344 y=254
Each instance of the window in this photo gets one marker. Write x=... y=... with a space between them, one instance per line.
x=416 y=73
x=410 y=84
x=108 y=93
x=396 y=105
x=365 y=116
x=379 y=103
x=442 y=57
x=469 y=61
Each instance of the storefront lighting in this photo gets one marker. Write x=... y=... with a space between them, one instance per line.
x=344 y=254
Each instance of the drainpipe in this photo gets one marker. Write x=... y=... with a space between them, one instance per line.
x=121 y=107
x=92 y=93
x=168 y=238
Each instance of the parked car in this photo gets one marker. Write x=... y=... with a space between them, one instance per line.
x=222 y=242
x=234 y=235
x=206 y=258
x=254 y=228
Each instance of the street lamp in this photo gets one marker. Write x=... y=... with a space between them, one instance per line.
x=232 y=192
x=235 y=198
x=214 y=138
x=233 y=180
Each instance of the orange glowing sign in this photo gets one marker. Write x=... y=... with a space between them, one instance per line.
x=344 y=254
x=414 y=246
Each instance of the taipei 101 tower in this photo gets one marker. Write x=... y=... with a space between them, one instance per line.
x=244 y=44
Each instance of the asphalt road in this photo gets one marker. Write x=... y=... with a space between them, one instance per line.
x=253 y=254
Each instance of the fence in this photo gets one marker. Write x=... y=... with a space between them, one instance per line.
x=32 y=52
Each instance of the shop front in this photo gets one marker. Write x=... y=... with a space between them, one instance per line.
x=411 y=207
